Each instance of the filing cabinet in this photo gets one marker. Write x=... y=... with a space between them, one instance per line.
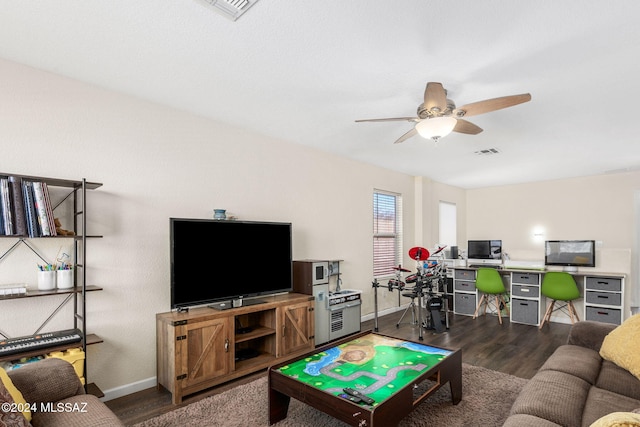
x=526 y=305
x=604 y=299
x=465 y=297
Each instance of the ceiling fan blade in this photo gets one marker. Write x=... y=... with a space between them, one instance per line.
x=469 y=128
x=435 y=97
x=489 y=105
x=392 y=119
x=406 y=136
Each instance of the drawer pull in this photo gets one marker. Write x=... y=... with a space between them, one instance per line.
x=524 y=290
x=603 y=313
x=524 y=303
x=603 y=296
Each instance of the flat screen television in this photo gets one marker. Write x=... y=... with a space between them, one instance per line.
x=222 y=262
x=484 y=249
x=570 y=253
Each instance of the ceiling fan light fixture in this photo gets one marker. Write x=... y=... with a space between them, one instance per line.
x=436 y=127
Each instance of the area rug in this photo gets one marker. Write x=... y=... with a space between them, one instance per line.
x=487 y=397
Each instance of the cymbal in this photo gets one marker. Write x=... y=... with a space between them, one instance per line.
x=399 y=268
x=439 y=250
x=419 y=253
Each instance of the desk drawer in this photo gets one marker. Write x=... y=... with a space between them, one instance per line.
x=525 y=278
x=464 y=304
x=604 y=283
x=464 y=286
x=525 y=311
x=525 y=291
x=606 y=298
x=465 y=274
x=607 y=315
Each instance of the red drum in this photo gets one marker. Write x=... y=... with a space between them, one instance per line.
x=412 y=278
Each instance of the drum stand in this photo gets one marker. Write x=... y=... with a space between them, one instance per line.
x=411 y=306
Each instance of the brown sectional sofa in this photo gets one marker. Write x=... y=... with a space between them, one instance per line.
x=576 y=386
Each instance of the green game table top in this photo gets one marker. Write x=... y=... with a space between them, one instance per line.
x=375 y=365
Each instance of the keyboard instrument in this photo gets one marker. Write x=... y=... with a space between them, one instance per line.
x=40 y=341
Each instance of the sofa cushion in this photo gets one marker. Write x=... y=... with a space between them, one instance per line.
x=622 y=345
x=77 y=411
x=11 y=395
x=554 y=396
x=47 y=380
x=618 y=380
x=601 y=402
x=564 y=360
x=526 y=420
x=618 y=419
x=589 y=333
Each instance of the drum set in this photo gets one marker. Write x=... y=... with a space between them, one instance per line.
x=427 y=284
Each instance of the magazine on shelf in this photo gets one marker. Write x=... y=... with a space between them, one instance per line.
x=41 y=208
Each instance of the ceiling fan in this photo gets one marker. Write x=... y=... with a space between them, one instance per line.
x=439 y=116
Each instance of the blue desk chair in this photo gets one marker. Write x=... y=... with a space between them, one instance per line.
x=560 y=287
x=489 y=283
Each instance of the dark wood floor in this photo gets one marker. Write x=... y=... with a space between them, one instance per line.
x=514 y=349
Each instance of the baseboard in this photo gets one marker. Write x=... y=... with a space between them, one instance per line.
x=383 y=312
x=127 y=389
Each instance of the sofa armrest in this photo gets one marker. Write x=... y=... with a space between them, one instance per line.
x=589 y=333
x=48 y=380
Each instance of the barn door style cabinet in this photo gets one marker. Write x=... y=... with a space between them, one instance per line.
x=204 y=347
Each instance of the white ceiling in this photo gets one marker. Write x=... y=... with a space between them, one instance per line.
x=304 y=71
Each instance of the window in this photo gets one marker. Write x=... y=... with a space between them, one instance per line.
x=387 y=232
x=448 y=218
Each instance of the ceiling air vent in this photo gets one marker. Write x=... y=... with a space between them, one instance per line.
x=232 y=9
x=487 y=152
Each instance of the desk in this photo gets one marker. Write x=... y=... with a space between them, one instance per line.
x=603 y=294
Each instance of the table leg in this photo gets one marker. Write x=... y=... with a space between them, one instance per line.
x=278 y=406
x=455 y=383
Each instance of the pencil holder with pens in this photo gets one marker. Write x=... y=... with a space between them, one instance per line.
x=46 y=280
x=64 y=279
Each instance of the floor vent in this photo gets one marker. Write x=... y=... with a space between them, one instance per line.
x=487 y=152
x=232 y=9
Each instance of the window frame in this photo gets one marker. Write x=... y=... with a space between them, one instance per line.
x=386 y=256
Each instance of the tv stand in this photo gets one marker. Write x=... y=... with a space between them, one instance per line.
x=240 y=302
x=202 y=348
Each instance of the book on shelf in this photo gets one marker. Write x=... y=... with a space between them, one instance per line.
x=33 y=229
x=17 y=208
x=5 y=203
x=47 y=204
x=41 y=208
x=25 y=208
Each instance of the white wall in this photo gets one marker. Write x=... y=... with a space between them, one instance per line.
x=157 y=163
x=599 y=208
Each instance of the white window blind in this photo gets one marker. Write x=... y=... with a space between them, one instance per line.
x=447 y=224
x=387 y=232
